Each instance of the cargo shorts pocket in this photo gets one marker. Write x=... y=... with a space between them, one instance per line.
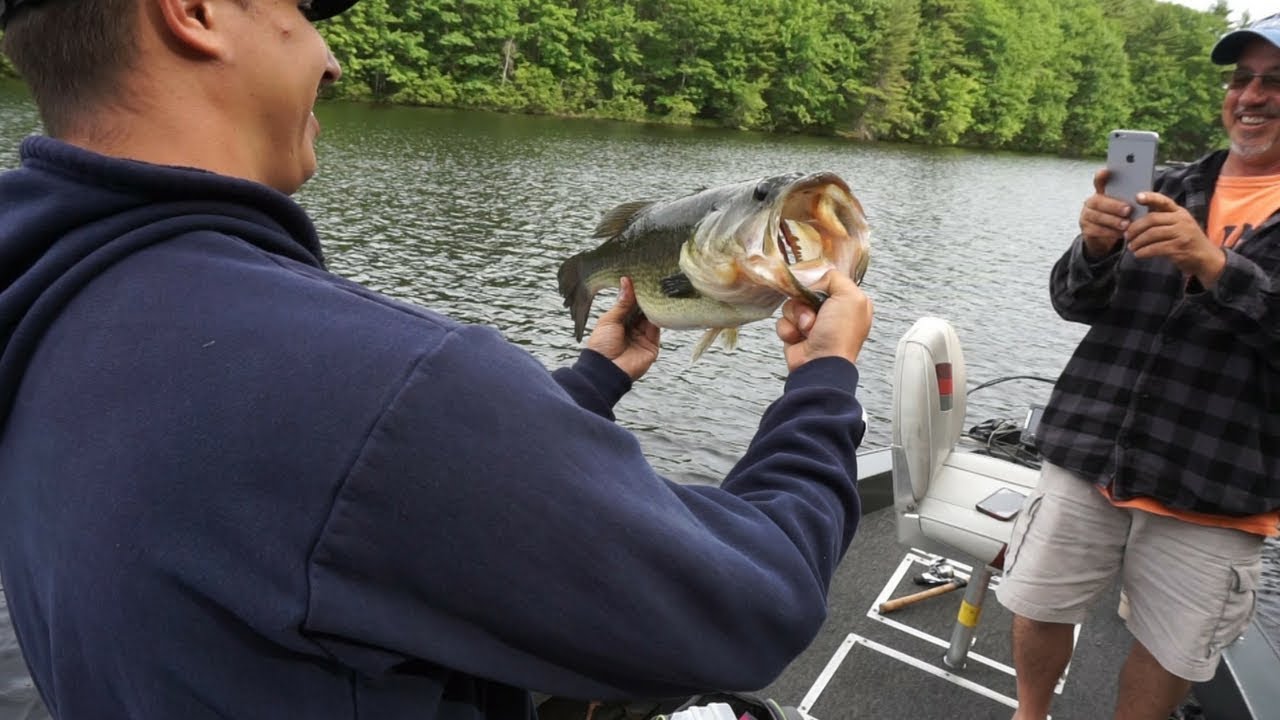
x=1238 y=607
x=1020 y=526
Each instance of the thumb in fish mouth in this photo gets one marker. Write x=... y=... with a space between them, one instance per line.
x=812 y=298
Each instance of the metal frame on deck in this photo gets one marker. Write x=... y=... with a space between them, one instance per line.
x=952 y=675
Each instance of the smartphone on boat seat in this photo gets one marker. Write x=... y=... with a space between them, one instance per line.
x=1131 y=161
x=1002 y=504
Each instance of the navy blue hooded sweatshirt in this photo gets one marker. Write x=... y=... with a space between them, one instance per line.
x=235 y=485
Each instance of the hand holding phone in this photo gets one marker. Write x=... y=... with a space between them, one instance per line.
x=1131 y=164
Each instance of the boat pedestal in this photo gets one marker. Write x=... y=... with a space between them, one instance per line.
x=975 y=593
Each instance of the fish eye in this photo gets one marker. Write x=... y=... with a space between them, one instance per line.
x=762 y=190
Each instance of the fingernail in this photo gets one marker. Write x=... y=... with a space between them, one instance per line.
x=1124 y=224
x=1142 y=197
x=806 y=321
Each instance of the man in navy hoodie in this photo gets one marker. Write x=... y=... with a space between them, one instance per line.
x=235 y=485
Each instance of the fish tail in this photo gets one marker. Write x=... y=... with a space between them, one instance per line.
x=577 y=296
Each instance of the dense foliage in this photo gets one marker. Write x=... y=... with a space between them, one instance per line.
x=1038 y=75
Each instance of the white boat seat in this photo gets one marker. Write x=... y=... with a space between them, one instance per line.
x=936 y=484
x=947 y=514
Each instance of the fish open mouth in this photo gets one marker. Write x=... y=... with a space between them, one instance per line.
x=797 y=240
x=818 y=225
x=776 y=238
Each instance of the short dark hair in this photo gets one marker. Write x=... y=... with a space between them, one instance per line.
x=72 y=55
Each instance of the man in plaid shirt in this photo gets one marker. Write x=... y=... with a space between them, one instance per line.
x=1162 y=436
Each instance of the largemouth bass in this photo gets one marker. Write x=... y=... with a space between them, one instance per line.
x=724 y=256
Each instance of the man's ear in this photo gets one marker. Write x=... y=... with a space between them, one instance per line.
x=196 y=26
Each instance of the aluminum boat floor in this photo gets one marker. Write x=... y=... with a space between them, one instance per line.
x=867 y=665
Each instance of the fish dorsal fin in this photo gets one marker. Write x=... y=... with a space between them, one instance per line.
x=617 y=219
x=678 y=286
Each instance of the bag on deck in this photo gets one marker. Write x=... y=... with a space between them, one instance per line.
x=743 y=706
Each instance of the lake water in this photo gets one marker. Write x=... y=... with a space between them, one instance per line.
x=472 y=213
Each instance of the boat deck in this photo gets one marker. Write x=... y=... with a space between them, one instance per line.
x=868 y=665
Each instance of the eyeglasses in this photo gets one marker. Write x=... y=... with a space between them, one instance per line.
x=1240 y=78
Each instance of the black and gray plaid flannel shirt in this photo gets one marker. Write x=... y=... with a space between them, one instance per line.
x=1174 y=392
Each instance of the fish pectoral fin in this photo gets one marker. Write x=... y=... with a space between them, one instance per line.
x=678 y=286
x=617 y=219
x=730 y=338
x=707 y=338
x=730 y=341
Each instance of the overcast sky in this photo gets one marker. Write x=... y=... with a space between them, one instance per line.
x=1257 y=9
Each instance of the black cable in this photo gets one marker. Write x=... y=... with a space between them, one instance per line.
x=1003 y=439
x=997 y=381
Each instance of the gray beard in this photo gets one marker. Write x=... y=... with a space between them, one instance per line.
x=1252 y=150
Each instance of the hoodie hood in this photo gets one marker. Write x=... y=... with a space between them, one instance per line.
x=67 y=214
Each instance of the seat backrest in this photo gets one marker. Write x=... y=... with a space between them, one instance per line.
x=928 y=406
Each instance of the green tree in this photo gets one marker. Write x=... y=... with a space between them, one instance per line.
x=1038 y=75
x=384 y=56
x=615 y=35
x=884 y=35
x=819 y=71
x=945 y=82
x=1095 y=57
x=1176 y=89
x=558 y=74
x=709 y=59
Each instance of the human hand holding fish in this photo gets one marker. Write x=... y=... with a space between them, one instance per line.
x=724 y=256
x=837 y=329
x=631 y=345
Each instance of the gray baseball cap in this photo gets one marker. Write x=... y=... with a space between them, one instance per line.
x=319 y=10
x=1232 y=44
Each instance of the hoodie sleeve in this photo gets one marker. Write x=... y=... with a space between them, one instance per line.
x=494 y=527
x=594 y=382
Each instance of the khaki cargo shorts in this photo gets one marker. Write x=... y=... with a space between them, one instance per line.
x=1191 y=588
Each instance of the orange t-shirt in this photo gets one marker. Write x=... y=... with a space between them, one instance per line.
x=1239 y=205
x=1266 y=524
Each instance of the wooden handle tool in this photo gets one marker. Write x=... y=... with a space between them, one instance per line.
x=889 y=606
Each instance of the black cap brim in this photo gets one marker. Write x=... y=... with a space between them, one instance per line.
x=320 y=9
x=324 y=9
